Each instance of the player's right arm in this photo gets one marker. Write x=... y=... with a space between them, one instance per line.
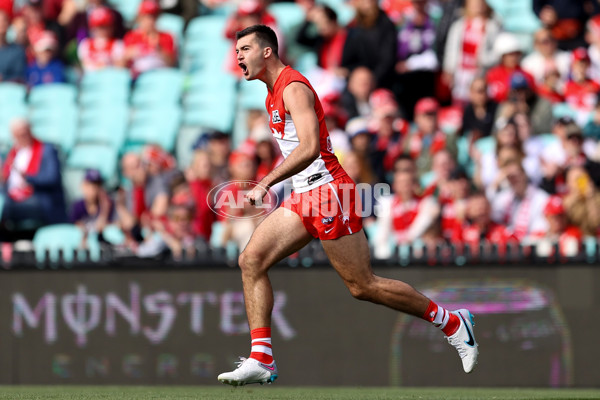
x=300 y=104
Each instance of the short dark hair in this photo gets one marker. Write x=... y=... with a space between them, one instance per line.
x=330 y=13
x=265 y=36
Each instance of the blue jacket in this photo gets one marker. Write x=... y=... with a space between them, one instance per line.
x=48 y=188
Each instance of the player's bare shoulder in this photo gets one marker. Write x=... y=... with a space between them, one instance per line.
x=298 y=96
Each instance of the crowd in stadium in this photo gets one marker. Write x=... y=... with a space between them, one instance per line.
x=481 y=116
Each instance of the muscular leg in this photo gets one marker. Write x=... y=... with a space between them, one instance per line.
x=350 y=257
x=282 y=233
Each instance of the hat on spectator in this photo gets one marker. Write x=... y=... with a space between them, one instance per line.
x=507 y=43
x=238 y=156
x=154 y=154
x=249 y=7
x=101 y=16
x=45 y=41
x=149 y=7
x=357 y=125
x=581 y=54
x=593 y=25
x=93 y=176
x=182 y=199
x=518 y=81
x=554 y=206
x=427 y=105
x=383 y=102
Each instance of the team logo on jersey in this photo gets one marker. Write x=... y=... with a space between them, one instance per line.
x=276 y=118
x=327 y=220
x=329 y=145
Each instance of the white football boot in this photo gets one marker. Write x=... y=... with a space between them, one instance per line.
x=464 y=340
x=248 y=371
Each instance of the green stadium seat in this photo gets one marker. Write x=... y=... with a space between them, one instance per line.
x=105 y=125
x=210 y=103
x=184 y=152
x=127 y=8
x=54 y=238
x=289 y=17
x=485 y=144
x=55 y=125
x=12 y=93
x=161 y=86
x=104 y=158
x=560 y=110
x=206 y=28
x=172 y=24
x=120 y=77
x=252 y=95
x=72 y=178
x=52 y=95
x=113 y=235
x=156 y=125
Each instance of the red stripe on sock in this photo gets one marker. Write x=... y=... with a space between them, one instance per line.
x=261 y=333
x=452 y=325
x=429 y=315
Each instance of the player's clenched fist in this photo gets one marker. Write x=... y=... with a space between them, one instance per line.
x=256 y=195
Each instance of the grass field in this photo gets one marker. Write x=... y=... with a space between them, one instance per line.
x=268 y=393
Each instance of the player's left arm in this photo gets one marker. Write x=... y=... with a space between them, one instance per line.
x=300 y=103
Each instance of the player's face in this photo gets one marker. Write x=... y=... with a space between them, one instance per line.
x=250 y=57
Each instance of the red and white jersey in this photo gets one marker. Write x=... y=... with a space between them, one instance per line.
x=326 y=167
x=95 y=54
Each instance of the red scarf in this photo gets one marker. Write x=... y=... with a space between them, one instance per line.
x=473 y=36
x=37 y=149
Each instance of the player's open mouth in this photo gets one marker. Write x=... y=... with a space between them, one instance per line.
x=244 y=68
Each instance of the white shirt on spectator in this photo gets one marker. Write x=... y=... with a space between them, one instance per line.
x=522 y=216
x=20 y=163
x=385 y=237
x=536 y=65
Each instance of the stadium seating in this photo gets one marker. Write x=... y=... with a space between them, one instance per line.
x=104 y=124
x=54 y=95
x=12 y=98
x=127 y=8
x=157 y=125
x=205 y=46
x=97 y=156
x=172 y=24
x=111 y=85
x=158 y=87
x=65 y=238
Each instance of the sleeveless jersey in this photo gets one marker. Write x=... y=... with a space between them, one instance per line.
x=326 y=167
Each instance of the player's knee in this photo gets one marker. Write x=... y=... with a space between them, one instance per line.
x=362 y=291
x=249 y=263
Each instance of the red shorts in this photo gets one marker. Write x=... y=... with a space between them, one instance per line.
x=330 y=210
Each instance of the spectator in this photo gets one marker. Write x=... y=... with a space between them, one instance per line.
x=371 y=42
x=509 y=50
x=145 y=201
x=335 y=119
x=32 y=179
x=176 y=234
x=522 y=99
x=147 y=48
x=218 y=147
x=592 y=37
x=198 y=177
x=469 y=47
x=519 y=206
x=355 y=98
x=581 y=92
x=101 y=49
x=560 y=232
x=582 y=201
x=361 y=172
x=389 y=131
x=159 y=164
x=437 y=182
x=479 y=227
x=551 y=88
x=187 y=9
x=76 y=17
x=417 y=62
x=12 y=56
x=454 y=205
x=241 y=220
x=546 y=57
x=361 y=142
x=95 y=210
x=31 y=23
x=427 y=139
x=479 y=113
x=565 y=19
x=403 y=216
x=329 y=39
x=46 y=68
x=566 y=152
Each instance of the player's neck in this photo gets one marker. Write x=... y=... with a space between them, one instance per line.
x=272 y=72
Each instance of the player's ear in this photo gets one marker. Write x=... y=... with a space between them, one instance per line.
x=267 y=52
